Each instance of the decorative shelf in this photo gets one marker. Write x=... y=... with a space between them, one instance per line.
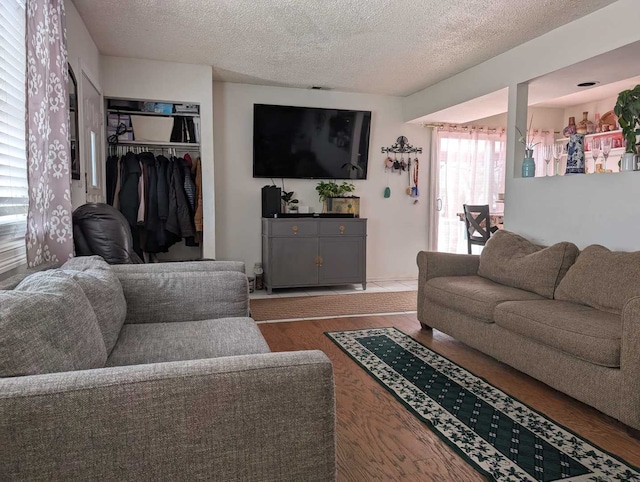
x=597 y=134
x=614 y=151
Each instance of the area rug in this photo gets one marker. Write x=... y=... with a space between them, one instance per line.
x=501 y=437
x=326 y=306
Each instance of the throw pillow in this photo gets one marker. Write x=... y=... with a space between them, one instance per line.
x=104 y=291
x=47 y=325
x=602 y=279
x=511 y=260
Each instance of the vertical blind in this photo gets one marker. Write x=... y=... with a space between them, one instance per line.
x=13 y=164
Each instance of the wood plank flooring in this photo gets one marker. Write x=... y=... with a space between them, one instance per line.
x=378 y=439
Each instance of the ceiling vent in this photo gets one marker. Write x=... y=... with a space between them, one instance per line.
x=319 y=87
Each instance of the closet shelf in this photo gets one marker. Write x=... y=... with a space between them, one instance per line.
x=167 y=144
x=135 y=112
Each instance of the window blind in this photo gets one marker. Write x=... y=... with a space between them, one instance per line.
x=14 y=199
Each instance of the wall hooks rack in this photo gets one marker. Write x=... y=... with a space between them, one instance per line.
x=402 y=146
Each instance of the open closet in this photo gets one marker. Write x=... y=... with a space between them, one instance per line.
x=153 y=175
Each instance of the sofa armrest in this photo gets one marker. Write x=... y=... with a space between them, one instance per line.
x=166 y=296
x=256 y=417
x=183 y=266
x=432 y=264
x=630 y=363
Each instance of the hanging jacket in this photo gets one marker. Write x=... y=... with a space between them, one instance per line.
x=162 y=165
x=111 y=169
x=179 y=221
x=189 y=186
x=155 y=238
x=116 y=192
x=197 y=218
x=130 y=176
x=129 y=188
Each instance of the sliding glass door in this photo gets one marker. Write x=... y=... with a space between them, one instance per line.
x=470 y=169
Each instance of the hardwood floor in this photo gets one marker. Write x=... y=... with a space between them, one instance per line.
x=378 y=439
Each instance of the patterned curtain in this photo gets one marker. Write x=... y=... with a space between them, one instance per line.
x=49 y=232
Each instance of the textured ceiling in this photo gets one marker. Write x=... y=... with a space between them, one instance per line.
x=392 y=47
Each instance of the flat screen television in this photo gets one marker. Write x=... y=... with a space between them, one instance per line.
x=310 y=143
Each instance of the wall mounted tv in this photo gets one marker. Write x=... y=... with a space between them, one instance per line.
x=310 y=143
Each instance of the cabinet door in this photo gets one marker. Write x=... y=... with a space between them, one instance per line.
x=293 y=261
x=342 y=260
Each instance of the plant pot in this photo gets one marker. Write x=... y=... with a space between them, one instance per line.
x=628 y=162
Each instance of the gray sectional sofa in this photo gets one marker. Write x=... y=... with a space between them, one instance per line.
x=154 y=372
x=569 y=319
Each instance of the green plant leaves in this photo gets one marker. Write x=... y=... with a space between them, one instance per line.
x=627 y=109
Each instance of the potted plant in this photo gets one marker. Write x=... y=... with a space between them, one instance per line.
x=627 y=109
x=288 y=202
x=328 y=191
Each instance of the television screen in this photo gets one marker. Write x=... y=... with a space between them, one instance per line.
x=310 y=143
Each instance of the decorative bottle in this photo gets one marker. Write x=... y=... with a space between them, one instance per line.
x=585 y=126
x=528 y=164
x=575 y=154
x=571 y=128
x=598 y=123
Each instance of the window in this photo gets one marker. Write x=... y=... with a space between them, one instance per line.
x=13 y=165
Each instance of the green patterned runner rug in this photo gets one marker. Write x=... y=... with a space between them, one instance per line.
x=501 y=437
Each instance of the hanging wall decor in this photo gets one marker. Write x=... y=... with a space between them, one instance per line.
x=394 y=164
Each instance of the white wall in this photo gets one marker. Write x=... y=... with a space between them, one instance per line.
x=84 y=57
x=397 y=229
x=172 y=82
x=543 y=118
x=584 y=209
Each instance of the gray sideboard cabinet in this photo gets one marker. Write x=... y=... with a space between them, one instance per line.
x=298 y=252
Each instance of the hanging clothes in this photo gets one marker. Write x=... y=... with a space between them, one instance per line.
x=116 y=192
x=141 y=194
x=197 y=217
x=158 y=197
x=179 y=221
x=111 y=169
x=128 y=196
x=189 y=186
x=154 y=238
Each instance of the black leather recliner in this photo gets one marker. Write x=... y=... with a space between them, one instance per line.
x=100 y=229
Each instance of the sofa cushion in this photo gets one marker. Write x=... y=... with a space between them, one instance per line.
x=104 y=291
x=602 y=279
x=48 y=325
x=578 y=330
x=473 y=295
x=512 y=260
x=187 y=340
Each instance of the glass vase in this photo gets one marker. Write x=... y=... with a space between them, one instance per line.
x=528 y=164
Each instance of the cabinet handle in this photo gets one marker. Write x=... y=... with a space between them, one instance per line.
x=295 y=229
x=320 y=261
x=341 y=228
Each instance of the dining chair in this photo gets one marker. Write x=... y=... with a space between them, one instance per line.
x=478 y=224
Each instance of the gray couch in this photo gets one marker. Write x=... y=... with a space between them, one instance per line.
x=569 y=320
x=154 y=372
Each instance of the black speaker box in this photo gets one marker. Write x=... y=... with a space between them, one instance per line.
x=271 y=201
